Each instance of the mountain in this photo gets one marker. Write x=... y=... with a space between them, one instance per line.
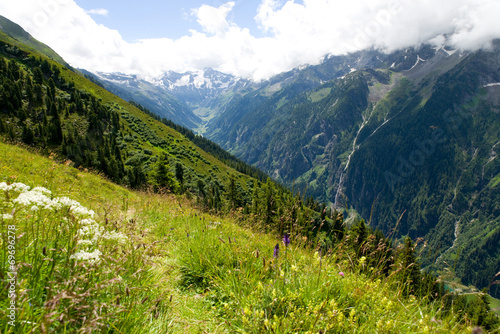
x=190 y=98
x=197 y=88
x=127 y=250
x=56 y=110
x=407 y=139
x=126 y=205
x=16 y=32
x=149 y=95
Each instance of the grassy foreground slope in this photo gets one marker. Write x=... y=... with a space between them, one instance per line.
x=129 y=262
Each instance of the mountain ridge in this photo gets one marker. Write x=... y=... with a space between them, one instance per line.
x=320 y=128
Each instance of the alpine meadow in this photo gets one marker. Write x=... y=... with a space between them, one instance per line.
x=357 y=195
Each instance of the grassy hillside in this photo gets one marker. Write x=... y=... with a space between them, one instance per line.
x=48 y=106
x=132 y=262
x=18 y=34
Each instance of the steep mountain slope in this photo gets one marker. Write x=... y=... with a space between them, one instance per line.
x=18 y=33
x=408 y=139
x=381 y=133
x=140 y=262
x=53 y=109
x=437 y=162
x=415 y=132
x=45 y=105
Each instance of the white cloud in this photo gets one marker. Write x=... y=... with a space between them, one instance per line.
x=98 y=11
x=297 y=33
x=214 y=20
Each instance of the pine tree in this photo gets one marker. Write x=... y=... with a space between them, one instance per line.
x=410 y=274
x=233 y=195
x=179 y=173
x=163 y=178
x=27 y=135
x=38 y=75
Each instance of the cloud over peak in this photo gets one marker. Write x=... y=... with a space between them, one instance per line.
x=295 y=33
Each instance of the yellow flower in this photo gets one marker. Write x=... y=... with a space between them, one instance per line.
x=352 y=314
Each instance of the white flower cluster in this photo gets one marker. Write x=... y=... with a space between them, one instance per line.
x=34 y=199
x=17 y=187
x=87 y=256
x=38 y=198
x=90 y=231
x=118 y=236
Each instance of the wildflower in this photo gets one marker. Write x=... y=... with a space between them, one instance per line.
x=362 y=260
x=87 y=256
x=286 y=239
x=276 y=252
x=32 y=198
x=87 y=221
x=19 y=187
x=7 y=216
x=34 y=208
x=65 y=201
x=118 y=236
x=341 y=273
x=42 y=190
x=85 y=242
x=82 y=211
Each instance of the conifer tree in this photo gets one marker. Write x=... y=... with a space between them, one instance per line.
x=163 y=178
x=179 y=174
x=269 y=203
x=410 y=269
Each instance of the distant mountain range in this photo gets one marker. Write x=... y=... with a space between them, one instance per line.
x=407 y=139
x=189 y=99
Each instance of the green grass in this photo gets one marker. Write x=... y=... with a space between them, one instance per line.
x=494 y=182
x=183 y=271
x=495 y=305
x=319 y=95
x=147 y=132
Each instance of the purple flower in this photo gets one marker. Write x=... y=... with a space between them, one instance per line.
x=341 y=273
x=286 y=239
x=276 y=252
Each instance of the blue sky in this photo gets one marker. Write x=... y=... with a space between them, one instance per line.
x=254 y=39
x=172 y=19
